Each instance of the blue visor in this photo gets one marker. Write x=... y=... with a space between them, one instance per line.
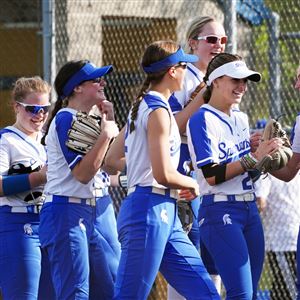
x=88 y=72
x=169 y=61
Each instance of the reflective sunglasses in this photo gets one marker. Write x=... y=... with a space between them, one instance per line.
x=35 y=109
x=96 y=80
x=212 y=39
x=182 y=65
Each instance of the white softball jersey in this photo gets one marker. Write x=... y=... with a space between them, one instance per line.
x=215 y=137
x=20 y=154
x=61 y=160
x=139 y=168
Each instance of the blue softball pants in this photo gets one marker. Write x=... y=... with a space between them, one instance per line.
x=232 y=233
x=152 y=240
x=25 y=273
x=83 y=262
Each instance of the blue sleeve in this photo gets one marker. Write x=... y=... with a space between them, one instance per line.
x=63 y=123
x=200 y=139
x=174 y=104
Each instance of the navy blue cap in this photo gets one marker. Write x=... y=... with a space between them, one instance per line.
x=169 y=61
x=88 y=72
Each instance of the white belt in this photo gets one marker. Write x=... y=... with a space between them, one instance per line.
x=173 y=193
x=243 y=197
x=35 y=209
x=86 y=201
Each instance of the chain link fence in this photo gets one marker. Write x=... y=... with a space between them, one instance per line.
x=117 y=32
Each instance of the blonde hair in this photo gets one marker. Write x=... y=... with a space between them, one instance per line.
x=196 y=27
x=27 y=85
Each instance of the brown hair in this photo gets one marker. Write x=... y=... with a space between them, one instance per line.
x=62 y=77
x=153 y=53
x=27 y=85
x=216 y=62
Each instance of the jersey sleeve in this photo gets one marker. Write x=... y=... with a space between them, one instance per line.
x=200 y=139
x=63 y=123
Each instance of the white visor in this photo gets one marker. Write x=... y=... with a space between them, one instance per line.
x=234 y=69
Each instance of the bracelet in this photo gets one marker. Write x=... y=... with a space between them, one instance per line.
x=248 y=162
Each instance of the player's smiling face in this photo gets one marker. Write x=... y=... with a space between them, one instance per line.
x=231 y=89
x=205 y=50
x=94 y=90
x=28 y=122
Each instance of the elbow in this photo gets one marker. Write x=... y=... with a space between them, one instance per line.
x=211 y=181
x=161 y=179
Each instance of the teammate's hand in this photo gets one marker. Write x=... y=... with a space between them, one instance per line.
x=107 y=108
x=267 y=147
x=195 y=189
x=186 y=194
x=255 y=139
x=109 y=127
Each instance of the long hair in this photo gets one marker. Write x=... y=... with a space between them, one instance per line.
x=153 y=53
x=216 y=62
x=62 y=77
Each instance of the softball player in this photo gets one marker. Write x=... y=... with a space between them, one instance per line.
x=22 y=179
x=205 y=38
x=291 y=170
x=218 y=136
x=149 y=229
x=78 y=227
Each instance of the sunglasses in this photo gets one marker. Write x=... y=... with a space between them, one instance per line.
x=182 y=65
x=35 y=109
x=212 y=39
x=96 y=80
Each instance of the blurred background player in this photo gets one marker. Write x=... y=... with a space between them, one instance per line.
x=280 y=207
x=219 y=143
x=205 y=38
x=291 y=170
x=149 y=229
x=22 y=179
x=78 y=226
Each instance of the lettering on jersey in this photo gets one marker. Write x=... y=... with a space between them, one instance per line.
x=81 y=225
x=27 y=229
x=164 y=216
x=227 y=152
x=226 y=219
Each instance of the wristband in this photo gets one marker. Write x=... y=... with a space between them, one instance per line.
x=15 y=184
x=248 y=162
x=123 y=180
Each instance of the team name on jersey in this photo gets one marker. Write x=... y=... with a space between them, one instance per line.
x=227 y=152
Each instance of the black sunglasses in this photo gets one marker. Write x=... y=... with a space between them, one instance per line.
x=35 y=109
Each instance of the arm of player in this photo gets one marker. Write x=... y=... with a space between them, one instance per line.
x=115 y=157
x=158 y=130
x=290 y=170
x=183 y=116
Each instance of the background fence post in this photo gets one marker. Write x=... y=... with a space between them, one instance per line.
x=230 y=25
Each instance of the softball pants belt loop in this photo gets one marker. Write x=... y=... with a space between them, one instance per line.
x=173 y=193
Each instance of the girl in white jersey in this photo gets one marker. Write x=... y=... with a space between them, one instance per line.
x=205 y=38
x=78 y=226
x=22 y=179
x=218 y=139
x=150 y=232
x=291 y=170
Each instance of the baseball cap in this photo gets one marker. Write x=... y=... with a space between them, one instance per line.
x=235 y=69
x=169 y=61
x=88 y=72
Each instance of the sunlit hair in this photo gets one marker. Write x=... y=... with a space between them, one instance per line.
x=62 y=77
x=27 y=85
x=196 y=28
x=153 y=53
x=216 y=62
